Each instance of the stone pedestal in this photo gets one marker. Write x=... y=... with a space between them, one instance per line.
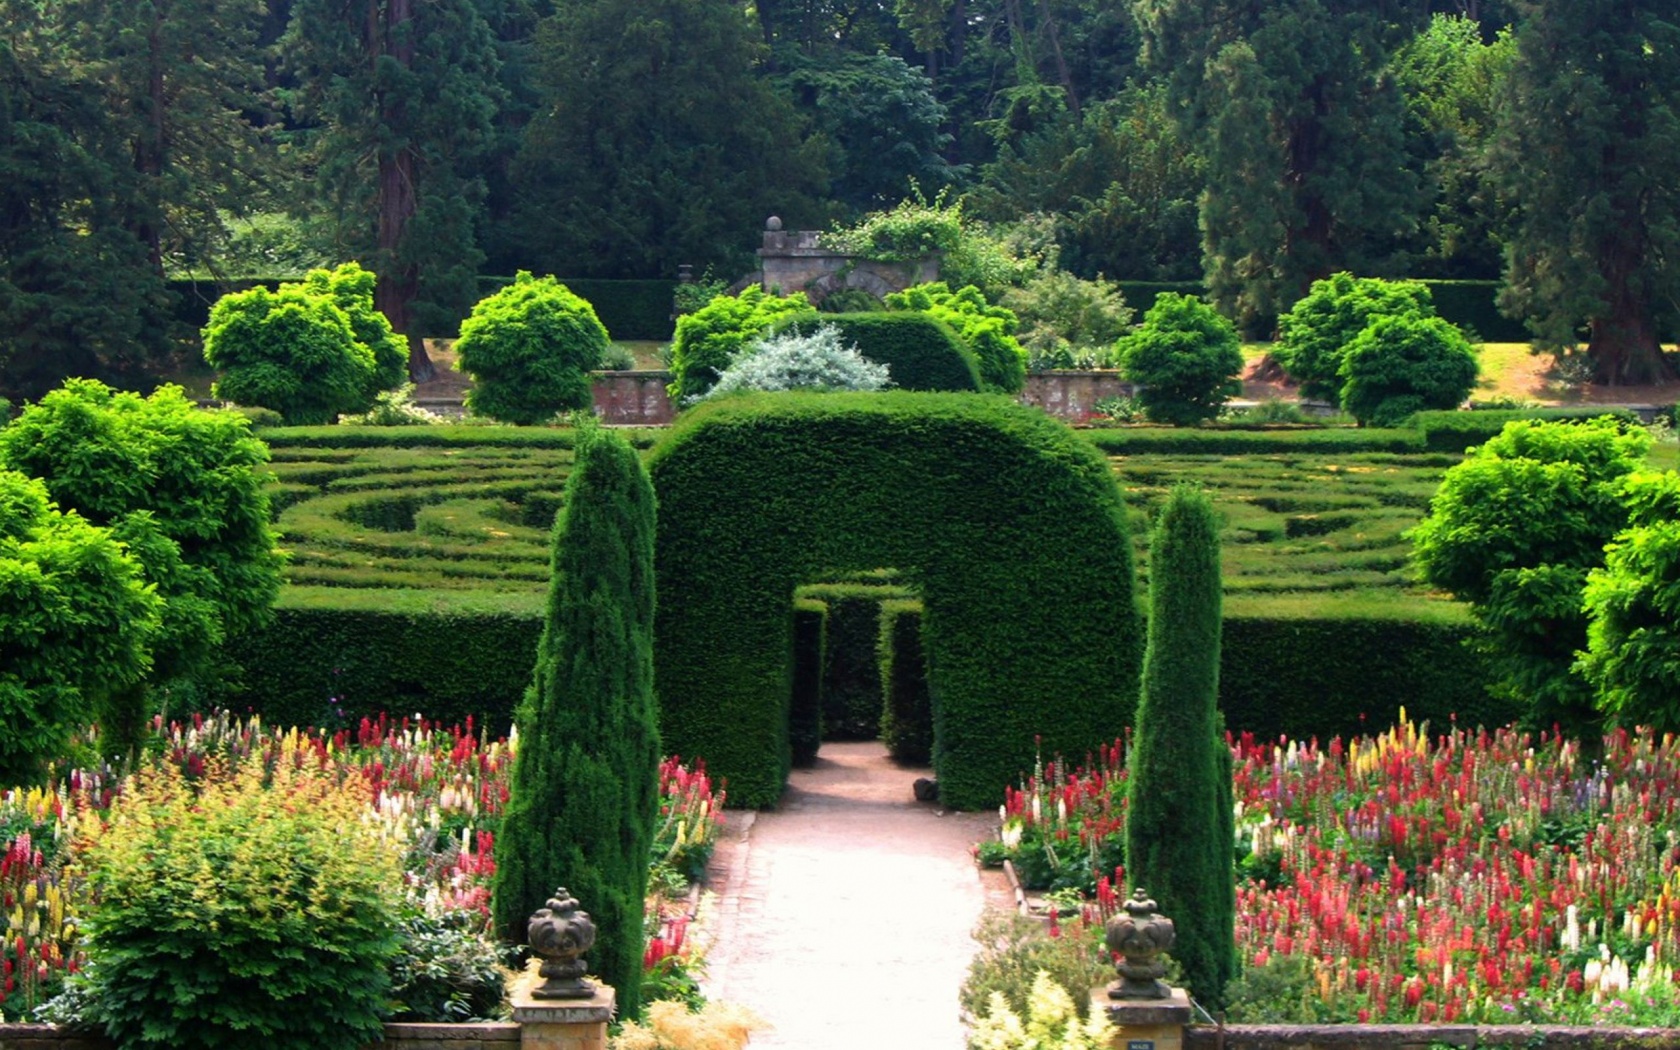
x=563 y=1024
x=1146 y=1024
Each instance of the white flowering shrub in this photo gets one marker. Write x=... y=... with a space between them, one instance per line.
x=790 y=361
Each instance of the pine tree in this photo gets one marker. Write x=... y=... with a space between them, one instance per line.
x=585 y=782
x=1178 y=831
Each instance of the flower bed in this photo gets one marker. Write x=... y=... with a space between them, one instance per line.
x=438 y=791
x=1488 y=877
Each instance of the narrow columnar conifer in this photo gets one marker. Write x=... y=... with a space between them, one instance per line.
x=1178 y=833
x=585 y=782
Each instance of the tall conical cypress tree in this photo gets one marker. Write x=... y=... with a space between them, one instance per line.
x=585 y=782
x=1178 y=828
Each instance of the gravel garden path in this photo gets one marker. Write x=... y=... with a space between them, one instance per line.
x=843 y=917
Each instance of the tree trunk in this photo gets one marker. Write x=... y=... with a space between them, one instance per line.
x=149 y=146
x=1623 y=347
x=1062 y=73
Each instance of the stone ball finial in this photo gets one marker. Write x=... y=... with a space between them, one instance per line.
x=773 y=224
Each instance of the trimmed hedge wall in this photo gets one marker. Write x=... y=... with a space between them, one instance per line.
x=921 y=352
x=1455 y=431
x=1217 y=442
x=906 y=707
x=442 y=435
x=805 y=721
x=1347 y=667
x=1011 y=529
x=851 y=676
x=445 y=655
x=1330 y=675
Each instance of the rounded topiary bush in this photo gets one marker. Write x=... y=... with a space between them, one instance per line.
x=1314 y=335
x=292 y=350
x=1185 y=359
x=1401 y=364
x=530 y=348
x=245 y=910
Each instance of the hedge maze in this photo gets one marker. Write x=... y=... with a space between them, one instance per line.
x=419 y=560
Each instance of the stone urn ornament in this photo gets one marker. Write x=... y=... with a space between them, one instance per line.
x=560 y=932
x=1139 y=937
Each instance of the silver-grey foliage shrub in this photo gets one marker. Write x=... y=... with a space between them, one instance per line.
x=790 y=361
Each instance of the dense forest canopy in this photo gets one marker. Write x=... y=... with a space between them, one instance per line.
x=1255 y=145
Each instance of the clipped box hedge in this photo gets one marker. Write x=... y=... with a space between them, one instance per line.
x=921 y=352
x=1455 y=431
x=1213 y=441
x=446 y=655
x=1009 y=526
x=906 y=705
x=805 y=721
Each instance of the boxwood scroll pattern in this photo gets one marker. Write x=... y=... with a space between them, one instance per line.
x=1010 y=527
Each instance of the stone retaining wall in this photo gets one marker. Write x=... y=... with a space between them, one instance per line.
x=1424 y=1037
x=488 y=1035
x=639 y=398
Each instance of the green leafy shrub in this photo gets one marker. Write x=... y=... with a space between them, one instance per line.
x=292 y=350
x=796 y=361
x=969 y=252
x=1314 y=334
x=708 y=339
x=530 y=348
x=1185 y=359
x=1068 y=321
x=351 y=288
x=920 y=351
x=988 y=330
x=79 y=623
x=850 y=301
x=254 y=907
x=1015 y=949
x=1455 y=431
x=1400 y=364
x=1514 y=530
x=1632 y=656
x=183 y=487
x=444 y=970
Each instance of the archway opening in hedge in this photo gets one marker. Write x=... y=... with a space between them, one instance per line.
x=1010 y=527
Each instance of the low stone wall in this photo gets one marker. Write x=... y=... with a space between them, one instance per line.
x=1071 y=395
x=639 y=398
x=1424 y=1037
x=488 y=1035
x=633 y=398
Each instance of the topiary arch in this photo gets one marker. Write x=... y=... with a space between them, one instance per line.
x=1011 y=528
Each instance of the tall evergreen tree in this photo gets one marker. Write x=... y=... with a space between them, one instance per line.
x=184 y=82
x=659 y=143
x=586 y=779
x=1178 y=825
x=403 y=95
x=1301 y=130
x=76 y=295
x=1588 y=130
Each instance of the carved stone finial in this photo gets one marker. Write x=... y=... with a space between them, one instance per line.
x=1139 y=937
x=773 y=224
x=560 y=932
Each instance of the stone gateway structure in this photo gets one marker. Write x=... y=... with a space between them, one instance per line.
x=793 y=261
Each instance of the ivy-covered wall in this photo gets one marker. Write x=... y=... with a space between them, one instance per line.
x=1009 y=526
